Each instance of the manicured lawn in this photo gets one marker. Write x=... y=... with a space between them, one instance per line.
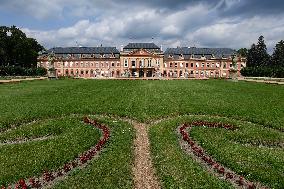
x=238 y=150
x=113 y=168
x=53 y=103
x=68 y=138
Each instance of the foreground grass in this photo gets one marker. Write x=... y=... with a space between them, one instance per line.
x=144 y=101
x=113 y=168
x=68 y=138
x=234 y=149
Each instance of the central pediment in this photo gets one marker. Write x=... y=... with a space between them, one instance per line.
x=141 y=52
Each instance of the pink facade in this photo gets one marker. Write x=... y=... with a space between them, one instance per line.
x=142 y=60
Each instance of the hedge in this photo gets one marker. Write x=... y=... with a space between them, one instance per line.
x=277 y=72
x=20 y=71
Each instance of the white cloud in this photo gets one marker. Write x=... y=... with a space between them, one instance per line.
x=193 y=25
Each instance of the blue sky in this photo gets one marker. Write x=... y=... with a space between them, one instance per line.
x=171 y=23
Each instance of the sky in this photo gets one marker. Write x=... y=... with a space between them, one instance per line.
x=170 y=23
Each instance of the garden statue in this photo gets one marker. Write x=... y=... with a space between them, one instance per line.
x=51 y=69
x=234 y=69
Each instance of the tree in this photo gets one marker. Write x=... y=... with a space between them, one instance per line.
x=277 y=59
x=257 y=55
x=16 y=49
x=243 y=52
x=252 y=56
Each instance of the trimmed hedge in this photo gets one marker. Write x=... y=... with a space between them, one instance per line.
x=277 y=72
x=20 y=71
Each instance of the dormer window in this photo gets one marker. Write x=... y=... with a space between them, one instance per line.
x=170 y=56
x=181 y=56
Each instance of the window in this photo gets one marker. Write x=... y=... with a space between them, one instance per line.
x=97 y=65
x=87 y=71
x=212 y=65
x=186 y=65
x=106 y=65
x=117 y=64
x=66 y=72
x=149 y=63
x=181 y=65
x=102 y=65
x=208 y=65
x=77 y=64
x=82 y=64
x=191 y=72
x=82 y=72
x=176 y=65
x=197 y=64
x=191 y=65
x=224 y=65
x=112 y=64
x=158 y=62
x=202 y=65
x=171 y=64
x=72 y=72
x=125 y=63
x=133 y=64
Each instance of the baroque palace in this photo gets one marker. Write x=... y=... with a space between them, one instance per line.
x=142 y=60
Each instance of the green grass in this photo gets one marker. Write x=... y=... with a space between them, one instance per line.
x=48 y=101
x=113 y=168
x=70 y=138
x=143 y=100
x=264 y=164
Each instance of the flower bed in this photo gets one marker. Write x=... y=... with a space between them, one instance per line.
x=49 y=176
x=201 y=155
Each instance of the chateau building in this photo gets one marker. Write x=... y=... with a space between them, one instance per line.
x=141 y=60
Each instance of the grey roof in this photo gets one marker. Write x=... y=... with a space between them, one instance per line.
x=141 y=46
x=83 y=50
x=200 y=51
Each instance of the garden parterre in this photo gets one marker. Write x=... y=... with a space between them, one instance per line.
x=51 y=104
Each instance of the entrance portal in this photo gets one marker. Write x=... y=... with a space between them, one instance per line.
x=141 y=73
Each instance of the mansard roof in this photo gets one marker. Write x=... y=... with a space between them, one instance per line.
x=217 y=52
x=141 y=46
x=83 y=50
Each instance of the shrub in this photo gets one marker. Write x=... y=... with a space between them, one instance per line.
x=21 y=71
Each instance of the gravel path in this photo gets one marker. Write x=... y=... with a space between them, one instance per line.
x=144 y=174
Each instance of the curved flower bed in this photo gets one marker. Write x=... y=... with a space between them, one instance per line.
x=201 y=155
x=50 y=176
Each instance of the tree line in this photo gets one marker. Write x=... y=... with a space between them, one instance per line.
x=260 y=63
x=18 y=53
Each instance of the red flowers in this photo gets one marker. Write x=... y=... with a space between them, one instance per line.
x=199 y=152
x=83 y=158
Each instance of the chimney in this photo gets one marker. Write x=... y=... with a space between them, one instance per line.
x=161 y=47
x=121 y=47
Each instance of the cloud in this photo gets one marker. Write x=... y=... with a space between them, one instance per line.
x=210 y=23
